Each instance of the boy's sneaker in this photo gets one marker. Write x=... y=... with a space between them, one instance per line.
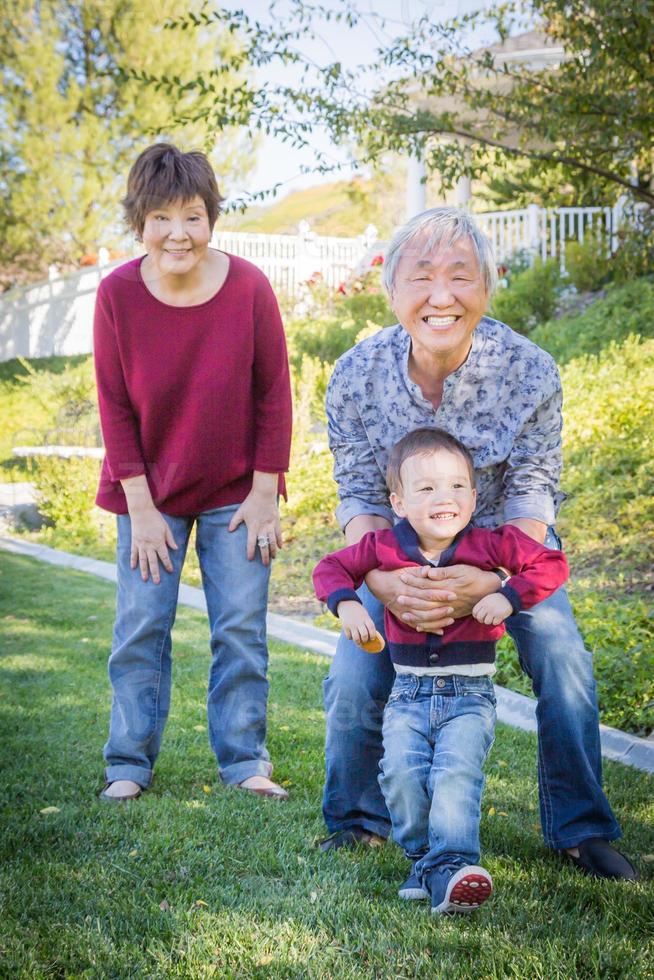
x=412 y=889
x=458 y=889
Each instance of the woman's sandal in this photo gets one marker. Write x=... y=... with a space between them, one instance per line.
x=108 y=798
x=272 y=790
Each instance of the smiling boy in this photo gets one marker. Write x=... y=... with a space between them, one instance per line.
x=439 y=720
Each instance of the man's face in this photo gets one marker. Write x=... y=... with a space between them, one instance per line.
x=439 y=298
x=437 y=497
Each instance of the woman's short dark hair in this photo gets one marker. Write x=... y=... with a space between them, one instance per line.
x=419 y=443
x=162 y=174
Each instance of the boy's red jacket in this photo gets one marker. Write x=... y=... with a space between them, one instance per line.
x=536 y=572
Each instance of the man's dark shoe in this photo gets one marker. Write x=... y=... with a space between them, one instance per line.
x=352 y=837
x=598 y=859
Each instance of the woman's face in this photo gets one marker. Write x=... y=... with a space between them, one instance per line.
x=177 y=236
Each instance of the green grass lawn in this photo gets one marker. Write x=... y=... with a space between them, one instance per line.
x=197 y=880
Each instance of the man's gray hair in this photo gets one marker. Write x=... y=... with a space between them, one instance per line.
x=435 y=229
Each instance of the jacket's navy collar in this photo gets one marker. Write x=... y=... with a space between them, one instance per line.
x=408 y=542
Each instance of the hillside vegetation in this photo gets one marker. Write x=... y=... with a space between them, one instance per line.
x=343 y=208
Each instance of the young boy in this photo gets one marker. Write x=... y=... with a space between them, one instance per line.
x=439 y=720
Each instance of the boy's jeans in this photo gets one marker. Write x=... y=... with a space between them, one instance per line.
x=437 y=733
x=236 y=591
x=573 y=806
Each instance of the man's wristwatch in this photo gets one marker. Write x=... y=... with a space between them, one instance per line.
x=502 y=575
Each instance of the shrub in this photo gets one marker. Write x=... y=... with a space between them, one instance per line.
x=309 y=384
x=519 y=261
x=588 y=263
x=621 y=639
x=65 y=491
x=625 y=310
x=329 y=321
x=608 y=442
x=322 y=339
x=69 y=399
x=43 y=401
x=529 y=298
x=366 y=306
x=635 y=254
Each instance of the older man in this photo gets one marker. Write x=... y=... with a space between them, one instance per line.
x=446 y=364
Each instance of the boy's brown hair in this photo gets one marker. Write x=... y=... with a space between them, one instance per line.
x=162 y=173
x=419 y=443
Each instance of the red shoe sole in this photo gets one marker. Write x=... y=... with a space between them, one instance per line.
x=468 y=889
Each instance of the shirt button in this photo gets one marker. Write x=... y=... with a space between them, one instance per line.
x=440 y=682
x=433 y=658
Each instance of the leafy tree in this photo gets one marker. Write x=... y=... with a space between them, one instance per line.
x=591 y=118
x=73 y=118
x=516 y=183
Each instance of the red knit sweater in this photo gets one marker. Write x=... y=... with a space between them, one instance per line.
x=195 y=397
x=537 y=572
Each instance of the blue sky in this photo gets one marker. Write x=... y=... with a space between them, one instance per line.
x=277 y=162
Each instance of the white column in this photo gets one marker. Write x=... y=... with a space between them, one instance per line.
x=415 y=186
x=463 y=192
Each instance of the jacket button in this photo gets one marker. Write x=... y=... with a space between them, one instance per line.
x=433 y=658
x=440 y=682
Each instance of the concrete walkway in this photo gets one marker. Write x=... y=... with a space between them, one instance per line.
x=512 y=708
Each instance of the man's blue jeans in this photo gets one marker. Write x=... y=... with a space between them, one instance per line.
x=573 y=806
x=437 y=733
x=140 y=664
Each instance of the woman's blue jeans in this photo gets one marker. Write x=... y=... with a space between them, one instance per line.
x=140 y=664
x=573 y=806
x=437 y=733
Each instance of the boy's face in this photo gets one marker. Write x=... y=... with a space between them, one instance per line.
x=437 y=497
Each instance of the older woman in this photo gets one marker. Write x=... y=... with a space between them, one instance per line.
x=194 y=398
x=448 y=365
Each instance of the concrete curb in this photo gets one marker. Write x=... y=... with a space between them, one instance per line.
x=512 y=708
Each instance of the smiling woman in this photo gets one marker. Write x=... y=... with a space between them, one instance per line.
x=194 y=397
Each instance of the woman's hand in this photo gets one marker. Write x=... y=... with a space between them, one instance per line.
x=260 y=514
x=151 y=538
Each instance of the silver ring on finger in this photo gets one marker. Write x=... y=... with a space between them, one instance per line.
x=263 y=541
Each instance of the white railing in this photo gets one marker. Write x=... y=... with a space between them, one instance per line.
x=545 y=231
x=290 y=260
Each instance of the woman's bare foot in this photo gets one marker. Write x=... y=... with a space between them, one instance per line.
x=122 y=789
x=264 y=787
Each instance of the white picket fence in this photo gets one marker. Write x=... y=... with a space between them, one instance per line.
x=545 y=231
x=290 y=260
x=56 y=316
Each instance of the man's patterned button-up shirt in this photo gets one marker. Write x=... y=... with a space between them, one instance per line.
x=503 y=403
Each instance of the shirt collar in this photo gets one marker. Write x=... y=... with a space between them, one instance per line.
x=476 y=347
x=408 y=541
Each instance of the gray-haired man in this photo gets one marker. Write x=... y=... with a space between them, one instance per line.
x=448 y=365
